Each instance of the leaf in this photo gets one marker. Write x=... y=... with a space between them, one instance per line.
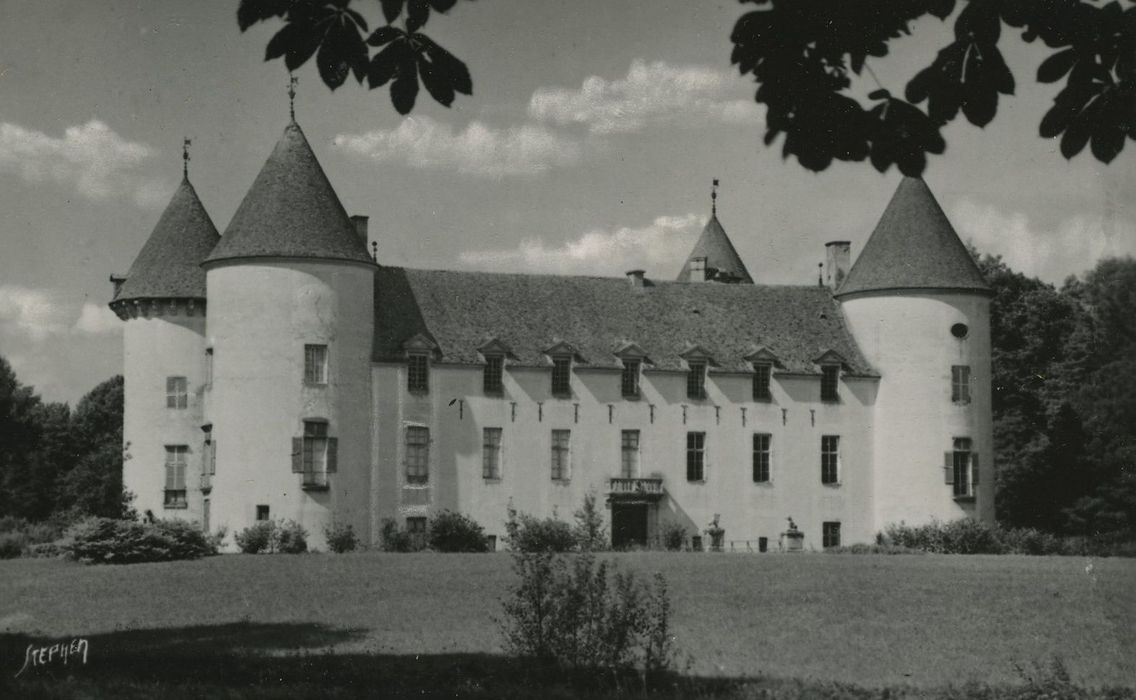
x=1056 y=66
x=437 y=84
x=385 y=63
x=978 y=22
x=1108 y=134
x=295 y=42
x=880 y=94
x=442 y=5
x=404 y=90
x=391 y=9
x=341 y=52
x=249 y=12
x=448 y=64
x=385 y=35
x=417 y=13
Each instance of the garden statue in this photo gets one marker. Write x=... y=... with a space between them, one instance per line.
x=796 y=538
x=717 y=534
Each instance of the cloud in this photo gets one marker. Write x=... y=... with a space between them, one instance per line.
x=660 y=248
x=651 y=93
x=1050 y=252
x=92 y=158
x=39 y=314
x=478 y=149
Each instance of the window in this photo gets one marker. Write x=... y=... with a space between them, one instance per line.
x=317 y=453
x=417 y=373
x=493 y=381
x=960 y=384
x=830 y=459
x=830 y=383
x=762 y=443
x=262 y=512
x=696 y=380
x=960 y=331
x=830 y=534
x=491 y=453
x=417 y=455
x=762 y=374
x=175 y=476
x=696 y=456
x=416 y=529
x=629 y=454
x=561 y=467
x=960 y=468
x=561 y=376
x=209 y=367
x=176 y=394
x=315 y=364
x=629 y=381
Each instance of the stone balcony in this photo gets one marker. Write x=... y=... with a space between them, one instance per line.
x=633 y=489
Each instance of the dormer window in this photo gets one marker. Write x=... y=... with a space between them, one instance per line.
x=562 y=375
x=493 y=379
x=830 y=382
x=698 y=269
x=762 y=379
x=696 y=379
x=629 y=381
x=417 y=373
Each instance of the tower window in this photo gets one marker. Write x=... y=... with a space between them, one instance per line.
x=417 y=454
x=830 y=459
x=493 y=378
x=315 y=453
x=762 y=375
x=175 y=476
x=491 y=453
x=959 y=330
x=417 y=373
x=315 y=364
x=960 y=384
x=629 y=380
x=561 y=465
x=629 y=454
x=961 y=468
x=177 y=395
x=830 y=533
x=696 y=456
x=830 y=383
x=562 y=376
x=762 y=442
x=696 y=380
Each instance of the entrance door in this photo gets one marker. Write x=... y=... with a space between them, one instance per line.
x=628 y=525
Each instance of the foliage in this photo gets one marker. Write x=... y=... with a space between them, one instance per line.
x=256 y=538
x=969 y=536
x=674 y=535
x=12 y=545
x=454 y=532
x=875 y=548
x=591 y=533
x=341 y=537
x=98 y=540
x=584 y=615
x=805 y=55
x=337 y=36
x=528 y=533
x=216 y=539
x=395 y=538
x=289 y=537
x=273 y=537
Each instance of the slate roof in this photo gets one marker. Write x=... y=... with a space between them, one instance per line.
x=715 y=246
x=169 y=264
x=913 y=247
x=291 y=211
x=462 y=311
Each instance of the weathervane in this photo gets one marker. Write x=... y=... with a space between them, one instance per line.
x=292 y=95
x=714 y=198
x=185 y=144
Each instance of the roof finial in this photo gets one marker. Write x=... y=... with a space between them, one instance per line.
x=714 y=198
x=820 y=274
x=185 y=144
x=292 y=95
x=375 y=251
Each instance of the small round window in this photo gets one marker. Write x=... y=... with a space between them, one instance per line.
x=959 y=330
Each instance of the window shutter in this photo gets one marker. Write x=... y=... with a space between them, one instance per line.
x=332 y=455
x=297 y=455
x=949 y=467
x=974 y=469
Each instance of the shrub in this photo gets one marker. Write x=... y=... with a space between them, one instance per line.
x=341 y=537
x=217 y=539
x=289 y=537
x=861 y=548
x=271 y=537
x=591 y=534
x=256 y=538
x=454 y=532
x=527 y=533
x=1028 y=540
x=109 y=541
x=584 y=615
x=12 y=545
x=970 y=536
x=674 y=536
x=44 y=550
x=394 y=538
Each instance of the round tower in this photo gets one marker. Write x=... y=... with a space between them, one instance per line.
x=162 y=300
x=291 y=322
x=920 y=310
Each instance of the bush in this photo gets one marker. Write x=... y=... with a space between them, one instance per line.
x=1028 y=540
x=341 y=537
x=527 y=533
x=12 y=545
x=674 y=536
x=969 y=536
x=454 y=532
x=591 y=534
x=217 y=539
x=289 y=537
x=109 y=541
x=44 y=550
x=394 y=538
x=584 y=616
x=861 y=548
x=256 y=538
x=271 y=537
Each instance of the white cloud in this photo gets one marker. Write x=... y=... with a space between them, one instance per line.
x=660 y=248
x=478 y=149
x=91 y=157
x=1049 y=252
x=651 y=93
x=97 y=318
x=39 y=314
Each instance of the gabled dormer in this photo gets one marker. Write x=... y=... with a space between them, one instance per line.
x=763 y=360
x=494 y=352
x=419 y=350
x=562 y=354
x=831 y=364
x=633 y=358
x=698 y=361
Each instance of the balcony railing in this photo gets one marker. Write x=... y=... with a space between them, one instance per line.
x=635 y=488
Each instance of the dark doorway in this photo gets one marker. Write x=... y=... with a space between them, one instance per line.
x=628 y=525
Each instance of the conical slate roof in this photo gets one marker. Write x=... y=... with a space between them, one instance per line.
x=169 y=264
x=715 y=246
x=291 y=211
x=913 y=247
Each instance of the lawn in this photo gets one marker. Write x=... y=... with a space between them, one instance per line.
x=873 y=621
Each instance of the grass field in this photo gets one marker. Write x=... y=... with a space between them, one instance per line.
x=873 y=621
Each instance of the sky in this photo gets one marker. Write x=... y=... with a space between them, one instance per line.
x=588 y=147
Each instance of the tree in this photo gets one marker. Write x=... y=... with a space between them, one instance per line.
x=94 y=484
x=803 y=54
x=19 y=438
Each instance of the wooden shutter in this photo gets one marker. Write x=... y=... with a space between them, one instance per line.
x=974 y=469
x=949 y=467
x=297 y=455
x=332 y=455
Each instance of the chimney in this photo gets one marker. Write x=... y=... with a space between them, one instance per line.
x=838 y=258
x=697 y=269
x=117 y=281
x=360 y=227
x=635 y=277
